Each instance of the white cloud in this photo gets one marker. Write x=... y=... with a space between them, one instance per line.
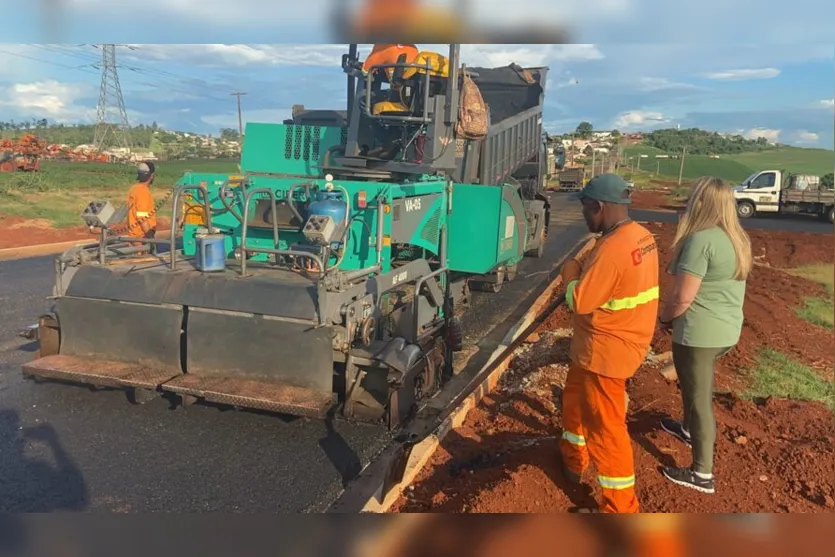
x=230 y=120
x=660 y=84
x=49 y=99
x=639 y=118
x=804 y=137
x=827 y=103
x=736 y=75
x=526 y=54
x=755 y=133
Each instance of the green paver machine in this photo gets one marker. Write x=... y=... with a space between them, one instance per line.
x=327 y=277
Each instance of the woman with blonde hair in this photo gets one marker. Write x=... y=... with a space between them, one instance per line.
x=711 y=262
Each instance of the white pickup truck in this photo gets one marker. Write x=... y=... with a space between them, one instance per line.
x=779 y=192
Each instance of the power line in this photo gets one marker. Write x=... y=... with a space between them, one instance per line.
x=96 y=65
x=79 y=68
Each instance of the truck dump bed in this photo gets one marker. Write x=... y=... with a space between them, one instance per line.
x=514 y=137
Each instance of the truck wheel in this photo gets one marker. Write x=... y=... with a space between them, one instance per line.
x=831 y=215
x=745 y=210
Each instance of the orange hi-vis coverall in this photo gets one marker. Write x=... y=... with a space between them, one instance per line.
x=615 y=305
x=140 y=209
x=383 y=54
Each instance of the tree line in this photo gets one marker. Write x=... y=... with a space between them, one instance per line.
x=701 y=142
x=697 y=141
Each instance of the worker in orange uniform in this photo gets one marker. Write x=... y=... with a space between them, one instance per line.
x=142 y=220
x=615 y=304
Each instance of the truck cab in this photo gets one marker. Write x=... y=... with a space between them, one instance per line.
x=780 y=192
x=759 y=193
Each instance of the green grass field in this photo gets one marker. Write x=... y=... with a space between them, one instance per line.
x=779 y=376
x=735 y=168
x=819 y=311
x=59 y=192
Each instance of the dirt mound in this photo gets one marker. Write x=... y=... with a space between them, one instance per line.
x=771 y=455
x=18 y=223
x=771 y=296
x=655 y=200
x=782 y=249
x=664 y=183
x=18 y=232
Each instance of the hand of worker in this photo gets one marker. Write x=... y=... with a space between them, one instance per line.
x=571 y=271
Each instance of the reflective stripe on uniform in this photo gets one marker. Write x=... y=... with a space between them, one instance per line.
x=569 y=294
x=574 y=439
x=608 y=482
x=631 y=303
x=142 y=214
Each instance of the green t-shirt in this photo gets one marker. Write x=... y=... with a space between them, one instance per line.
x=714 y=319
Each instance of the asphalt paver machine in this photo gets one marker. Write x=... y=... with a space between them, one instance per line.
x=328 y=276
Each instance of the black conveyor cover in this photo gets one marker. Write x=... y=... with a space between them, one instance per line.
x=506 y=92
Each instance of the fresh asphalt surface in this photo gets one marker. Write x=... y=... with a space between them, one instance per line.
x=65 y=447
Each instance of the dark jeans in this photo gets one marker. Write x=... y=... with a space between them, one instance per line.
x=696 y=369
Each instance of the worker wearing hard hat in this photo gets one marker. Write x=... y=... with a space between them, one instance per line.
x=614 y=298
x=142 y=220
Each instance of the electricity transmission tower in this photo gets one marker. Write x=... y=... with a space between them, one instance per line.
x=112 y=128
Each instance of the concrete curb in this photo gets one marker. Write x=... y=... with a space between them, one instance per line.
x=424 y=450
x=37 y=250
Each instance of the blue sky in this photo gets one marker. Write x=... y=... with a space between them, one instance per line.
x=783 y=91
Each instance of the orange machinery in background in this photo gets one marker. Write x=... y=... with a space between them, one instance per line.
x=23 y=154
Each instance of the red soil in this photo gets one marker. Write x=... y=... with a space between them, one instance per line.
x=656 y=200
x=771 y=455
x=18 y=232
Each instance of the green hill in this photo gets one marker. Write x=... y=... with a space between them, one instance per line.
x=792 y=159
x=736 y=167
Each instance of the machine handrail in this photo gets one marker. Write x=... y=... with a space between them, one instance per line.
x=276 y=251
x=207 y=209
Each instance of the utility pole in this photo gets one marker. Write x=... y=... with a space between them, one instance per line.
x=111 y=116
x=593 y=155
x=681 y=166
x=240 y=118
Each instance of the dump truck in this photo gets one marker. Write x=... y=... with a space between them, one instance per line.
x=328 y=277
x=571 y=178
x=778 y=192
